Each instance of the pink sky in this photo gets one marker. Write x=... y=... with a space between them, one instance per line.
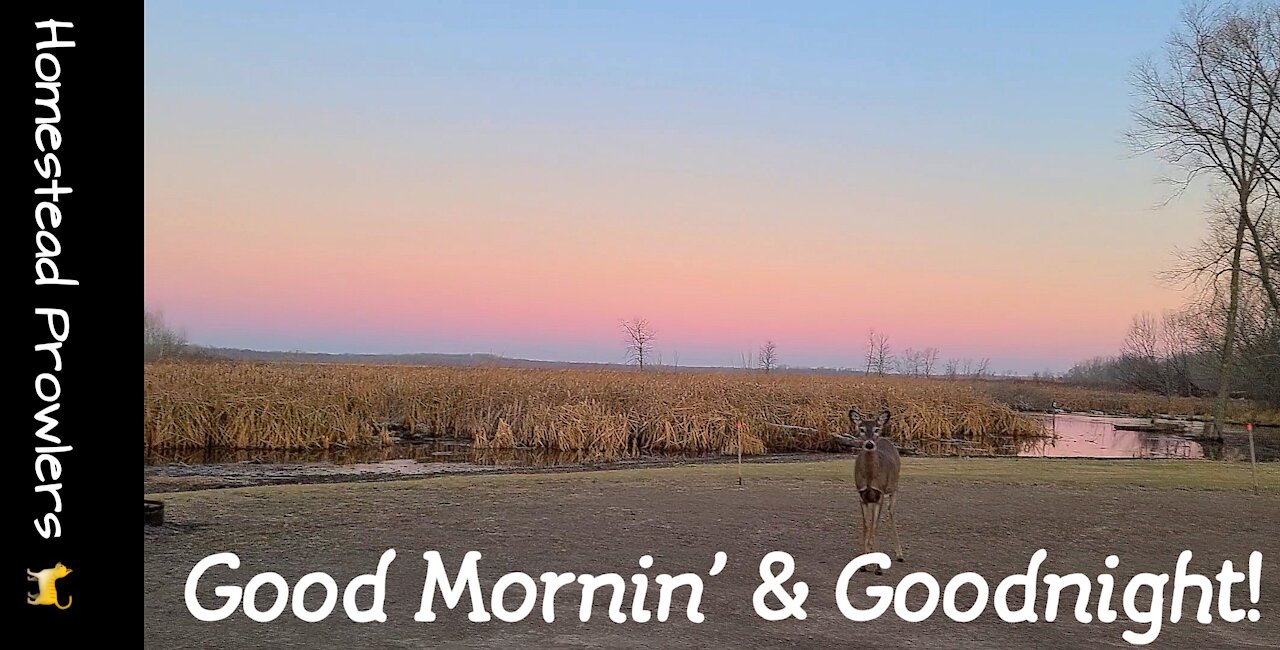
x=521 y=254
x=329 y=210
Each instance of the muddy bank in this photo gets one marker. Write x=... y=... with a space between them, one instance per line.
x=1066 y=436
x=182 y=477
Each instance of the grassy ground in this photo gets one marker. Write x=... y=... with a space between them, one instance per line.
x=1161 y=474
x=984 y=515
x=1076 y=472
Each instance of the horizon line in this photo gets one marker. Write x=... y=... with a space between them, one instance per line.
x=615 y=364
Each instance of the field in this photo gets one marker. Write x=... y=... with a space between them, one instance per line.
x=283 y=406
x=983 y=515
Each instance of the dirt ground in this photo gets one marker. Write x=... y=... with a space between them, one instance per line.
x=955 y=515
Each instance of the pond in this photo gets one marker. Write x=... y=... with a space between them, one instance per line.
x=1067 y=436
x=1093 y=436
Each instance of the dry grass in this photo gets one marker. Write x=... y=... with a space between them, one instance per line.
x=1040 y=396
x=283 y=406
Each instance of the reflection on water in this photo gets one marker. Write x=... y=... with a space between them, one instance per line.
x=1097 y=437
x=1084 y=436
x=1078 y=436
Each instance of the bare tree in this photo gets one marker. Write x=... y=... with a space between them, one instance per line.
x=1246 y=41
x=982 y=367
x=1177 y=347
x=768 y=357
x=639 y=336
x=871 y=351
x=1259 y=347
x=953 y=368
x=1257 y=343
x=159 y=339
x=880 y=354
x=1140 y=363
x=910 y=362
x=1210 y=109
x=1098 y=371
x=929 y=360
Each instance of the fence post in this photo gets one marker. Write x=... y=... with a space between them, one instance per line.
x=739 y=454
x=1253 y=459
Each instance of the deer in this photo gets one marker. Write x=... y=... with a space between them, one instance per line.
x=875 y=474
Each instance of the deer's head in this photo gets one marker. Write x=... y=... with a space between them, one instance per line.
x=867 y=429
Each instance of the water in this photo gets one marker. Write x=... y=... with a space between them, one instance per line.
x=1067 y=436
x=1087 y=436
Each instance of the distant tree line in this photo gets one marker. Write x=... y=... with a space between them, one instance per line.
x=1178 y=354
x=161 y=340
x=880 y=359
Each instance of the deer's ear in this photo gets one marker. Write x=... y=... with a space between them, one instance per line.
x=854 y=416
x=883 y=417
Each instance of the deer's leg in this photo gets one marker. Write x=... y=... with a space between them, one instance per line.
x=862 y=530
x=873 y=533
x=893 y=527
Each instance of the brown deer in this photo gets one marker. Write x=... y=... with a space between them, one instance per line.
x=875 y=474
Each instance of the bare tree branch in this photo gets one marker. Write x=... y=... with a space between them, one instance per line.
x=639 y=336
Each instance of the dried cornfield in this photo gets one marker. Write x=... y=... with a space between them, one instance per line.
x=286 y=406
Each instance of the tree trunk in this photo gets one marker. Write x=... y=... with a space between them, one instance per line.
x=1229 y=333
x=1264 y=272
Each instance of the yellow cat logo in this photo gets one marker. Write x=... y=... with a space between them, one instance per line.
x=48 y=595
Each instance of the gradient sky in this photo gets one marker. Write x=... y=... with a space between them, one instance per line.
x=516 y=177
